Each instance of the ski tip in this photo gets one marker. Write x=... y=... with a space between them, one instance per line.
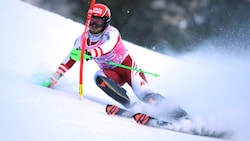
x=111 y=109
x=141 y=118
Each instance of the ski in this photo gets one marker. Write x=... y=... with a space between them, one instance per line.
x=140 y=118
x=147 y=120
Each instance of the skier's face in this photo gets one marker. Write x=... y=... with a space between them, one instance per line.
x=96 y=24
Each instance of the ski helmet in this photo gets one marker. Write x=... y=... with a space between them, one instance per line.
x=102 y=11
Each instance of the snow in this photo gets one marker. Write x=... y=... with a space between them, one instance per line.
x=212 y=86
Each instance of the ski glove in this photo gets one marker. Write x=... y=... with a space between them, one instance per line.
x=52 y=80
x=87 y=55
x=75 y=54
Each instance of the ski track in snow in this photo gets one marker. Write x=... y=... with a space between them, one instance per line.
x=212 y=86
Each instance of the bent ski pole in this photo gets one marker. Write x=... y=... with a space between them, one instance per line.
x=86 y=56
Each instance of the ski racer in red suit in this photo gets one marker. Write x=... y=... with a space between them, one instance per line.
x=104 y=43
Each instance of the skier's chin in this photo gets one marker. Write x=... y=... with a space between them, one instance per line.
x=95 y=30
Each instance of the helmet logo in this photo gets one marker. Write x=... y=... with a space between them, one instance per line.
x=97 y=10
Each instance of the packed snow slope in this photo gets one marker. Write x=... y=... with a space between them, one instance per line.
x=212 y=86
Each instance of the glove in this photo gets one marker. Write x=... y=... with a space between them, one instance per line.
x=52 y=80
x=87 y=55
x=75 y=54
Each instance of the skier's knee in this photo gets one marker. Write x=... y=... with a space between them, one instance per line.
x=111 y=84
x=99 y=73
x=99 y=80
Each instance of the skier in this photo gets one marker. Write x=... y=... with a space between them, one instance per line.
x=104 y=44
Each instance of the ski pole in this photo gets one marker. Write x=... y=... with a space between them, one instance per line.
x=83 y=43
x=86 y=56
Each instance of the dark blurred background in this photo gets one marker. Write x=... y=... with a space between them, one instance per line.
x=166 y=25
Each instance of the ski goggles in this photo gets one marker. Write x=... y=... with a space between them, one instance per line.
x=96 y=22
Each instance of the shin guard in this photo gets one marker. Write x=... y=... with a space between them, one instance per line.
x=113 y=90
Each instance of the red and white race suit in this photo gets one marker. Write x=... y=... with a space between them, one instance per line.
x=108 y=46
